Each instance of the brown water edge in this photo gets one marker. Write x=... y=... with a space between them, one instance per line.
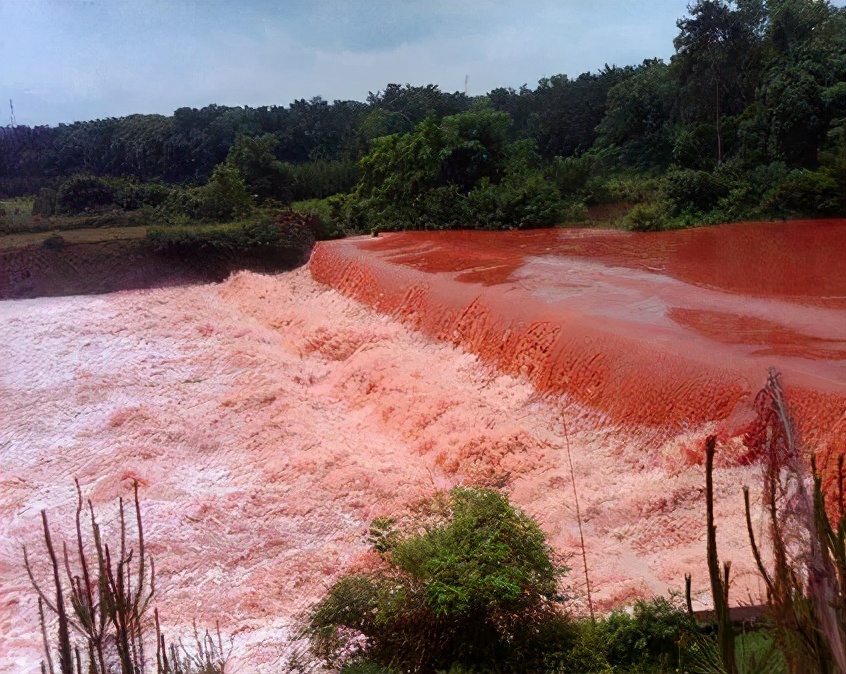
x=55 y=268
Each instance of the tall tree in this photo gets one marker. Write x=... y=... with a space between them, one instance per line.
x=638 y=116
x=264 y=175
x=717 y=48
x=803 y=87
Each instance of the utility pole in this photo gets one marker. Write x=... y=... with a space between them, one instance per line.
x=12 y=122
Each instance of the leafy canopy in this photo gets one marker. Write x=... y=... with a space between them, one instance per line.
x=477 y=589
x=462 y=172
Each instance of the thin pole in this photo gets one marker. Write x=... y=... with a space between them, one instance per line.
x=578 y=517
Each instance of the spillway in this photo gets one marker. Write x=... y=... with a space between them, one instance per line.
x=656 y=333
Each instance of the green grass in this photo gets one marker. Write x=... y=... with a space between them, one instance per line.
x=15 y=214
x=318 y=207
x=85 y=235
x=16 y=218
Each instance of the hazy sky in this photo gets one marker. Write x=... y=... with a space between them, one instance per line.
x=65 y=60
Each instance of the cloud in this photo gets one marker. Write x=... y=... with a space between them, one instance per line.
x=64 y=61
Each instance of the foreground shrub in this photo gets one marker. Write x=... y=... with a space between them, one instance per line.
x=477 y=590
x=650 y=638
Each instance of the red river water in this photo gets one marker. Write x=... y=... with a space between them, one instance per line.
x=268 y=419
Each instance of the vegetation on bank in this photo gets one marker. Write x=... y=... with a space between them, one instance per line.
x=477 y=590
x=746 y=121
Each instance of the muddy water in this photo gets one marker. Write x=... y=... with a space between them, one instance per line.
x=268 y=419
x=659 y=332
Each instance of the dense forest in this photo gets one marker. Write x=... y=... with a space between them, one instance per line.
x=747 y=119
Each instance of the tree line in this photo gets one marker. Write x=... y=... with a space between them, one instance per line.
x=751 y=108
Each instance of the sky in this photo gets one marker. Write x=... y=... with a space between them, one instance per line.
x=68 y=60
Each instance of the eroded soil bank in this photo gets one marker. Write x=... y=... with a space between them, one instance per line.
x=56 y=267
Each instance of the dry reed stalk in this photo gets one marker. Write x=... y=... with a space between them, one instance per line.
x=106 y=603
x=719 y=583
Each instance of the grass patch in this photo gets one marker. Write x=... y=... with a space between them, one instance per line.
x=100 y=235
x=15 y=214
x=261 y=230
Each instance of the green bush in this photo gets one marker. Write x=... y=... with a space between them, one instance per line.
x=739 y=204
x=264 y=175
x=364 y=666
x=646 y=218
x=148 y=194
x=320 y=208
x=239 y=236
x=649 y=639
x=694 y=146
x=694 y=190
x=225 y=196
x=522 y=200
x=586 y=652
x=570 y=174
x=440 y=208
x=181 y=207
x=804 y=192
x=460 y=172
x=327 y=215
x=766 y=177
x=81 y=193
x=573 y=211
x=222 y=199
x=476 y=590
x=45 y=202
x=321 y=179
x=652 y=636
x=631 y=188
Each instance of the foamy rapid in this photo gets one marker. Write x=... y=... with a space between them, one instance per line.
x=268 y=419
